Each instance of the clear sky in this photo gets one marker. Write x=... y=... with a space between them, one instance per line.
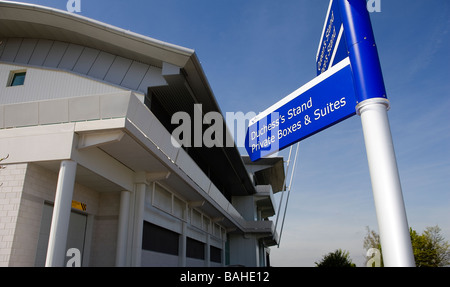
x=256 y=52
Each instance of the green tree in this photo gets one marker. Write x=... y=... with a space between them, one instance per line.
x=430 y=248
x=338 y=258
x=372 y=240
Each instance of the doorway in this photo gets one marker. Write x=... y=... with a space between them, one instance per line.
x=76 y=237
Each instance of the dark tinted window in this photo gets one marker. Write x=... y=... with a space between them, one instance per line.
x=18 y=79
x=158 y=239
x=195 y=249
x=215 y=254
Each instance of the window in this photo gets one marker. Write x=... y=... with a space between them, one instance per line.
x=179 y=208
x=215 y=254
x=195 y=249
x=217 y=231
x=196 y=218
x=17 y=78
x=206 y=224
x=168 y=202
x=162 y=199
x=159 y=239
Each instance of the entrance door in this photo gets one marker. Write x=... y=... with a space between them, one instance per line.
x=75 y=239
x=77 y=234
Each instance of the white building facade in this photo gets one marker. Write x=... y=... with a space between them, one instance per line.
x=90 y=174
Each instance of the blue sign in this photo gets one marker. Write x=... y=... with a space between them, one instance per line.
x=321 y=103
x=332 y=46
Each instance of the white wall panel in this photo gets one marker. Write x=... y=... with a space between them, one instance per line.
x=188 y=165
x=156 y=259
x=70 y=57
x=192 y=262
x=40 y=52
x=101 y=65
x=97 y=64
x=86 y=61
x=51 y=112
x=21 y=115
x=118 y=70
x=12 y=45
x=33 y=144
x=26 y=50
x=135 y=75
x=4 y=76
x=113 y=105
x=2 y=46
x=152 y=78
x=55 y=54
x=57 y=85
x=84 y=109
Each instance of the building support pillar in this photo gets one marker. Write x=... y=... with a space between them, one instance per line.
x=224 y=252
x=183 y=246
x=56 y=251
x=142 y=181
x=208 y=251
x=122 y=232
x=138 y=224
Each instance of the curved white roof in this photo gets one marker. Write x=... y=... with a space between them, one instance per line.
x=33 y=21
x=188 y=86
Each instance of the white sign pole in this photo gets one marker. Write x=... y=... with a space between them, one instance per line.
x=373 y=106
x=387 y=191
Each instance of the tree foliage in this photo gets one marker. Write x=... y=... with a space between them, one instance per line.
x=430 y=248
x=372 y=240
x=338 y=258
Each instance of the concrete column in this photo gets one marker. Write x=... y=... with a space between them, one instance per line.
x=129 y=253
x=122 y=232
x=208 y=251
x=224 y=255
x=183 y=245
x=138 y=224
x=56 y=250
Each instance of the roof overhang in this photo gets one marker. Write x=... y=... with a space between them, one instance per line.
x=268 y=171
x=111 y=147
x=33 y=21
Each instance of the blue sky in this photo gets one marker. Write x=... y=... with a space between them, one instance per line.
x=256 y=52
